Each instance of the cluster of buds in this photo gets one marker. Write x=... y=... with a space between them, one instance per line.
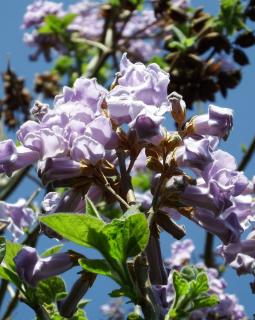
x=47 y=83
x=17 y=99
x=196 y=76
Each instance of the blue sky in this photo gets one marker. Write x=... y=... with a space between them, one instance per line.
x=241 y=100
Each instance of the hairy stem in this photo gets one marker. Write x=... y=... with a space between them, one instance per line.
x=208 y=253
x=126 y=185
x=146 y=298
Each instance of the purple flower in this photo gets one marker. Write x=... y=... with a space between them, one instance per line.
x=147 y=84
x=7 y=151
x=31 y=268
x=244 y=208
x=140 y=162
x=85 y=91
x=243 y=264
x=223 y=181
x=196 y=153
x=144 y=198
x=218 y=122
x=230 y=251
x=18 y=217
x=220 y=184
x=113 y=310
x=60 y=171
x=147 y=127
x=228 y=229
x=181 y=252
x=88 y=14
x=139 y=90
x=71 y=200
x=67 y=138
x=37 y=11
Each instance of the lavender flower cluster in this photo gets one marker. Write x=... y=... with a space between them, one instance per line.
x=133 y=29
x=75 y=145
x=34 y=19
x=16 y=217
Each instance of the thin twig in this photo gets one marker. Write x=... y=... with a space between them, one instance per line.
x=127 y=188
x=13 y=183
x=11 y=306
x=247 y=156
x=106 y=185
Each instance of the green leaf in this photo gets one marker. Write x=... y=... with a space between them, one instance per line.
x=45 y=29
x=67 y=19
x=231 y=16
x=12 y=250
x=122 y=292
x=52 y=250
x=53 y=23
x=57 y=25
x=91 y=209
x=142 y=180
x=54 y=314
x=63 y=64
x=189 y=272
x=82 y=229
x=181 y=286
x=191 y=293
x=125 y=237
x=179 y=34
x=9 y=275
x=206 y=302
x=200 y=285
x=79 y=315
x=97 y=266
x=47 y=290
x=134 y=316
x=2 y=248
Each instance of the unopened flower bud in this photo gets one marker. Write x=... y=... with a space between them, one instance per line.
x=178 y=108
x=39 y=110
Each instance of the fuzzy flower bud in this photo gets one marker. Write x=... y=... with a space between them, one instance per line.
x=178 y=108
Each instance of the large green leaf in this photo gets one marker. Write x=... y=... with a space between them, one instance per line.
x=82 y=229
x=52 y=250
x=90 y=208
x=120 y=239
x=125 y=237
x=97 y=266
x=47 y=290
x=12 y=250
x=9 y=275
